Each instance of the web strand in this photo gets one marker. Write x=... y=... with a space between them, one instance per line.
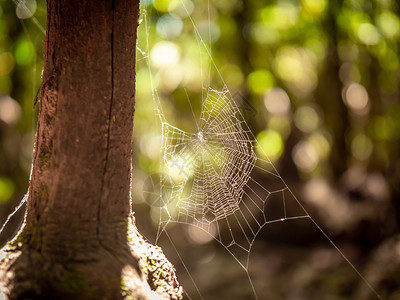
x=223 y=181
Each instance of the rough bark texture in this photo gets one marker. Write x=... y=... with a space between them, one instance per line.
x=79 y=240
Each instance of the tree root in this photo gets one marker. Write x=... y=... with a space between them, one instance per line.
x=137 y=270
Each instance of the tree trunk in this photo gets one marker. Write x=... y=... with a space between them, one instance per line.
x=79 y=240
x=329 y=95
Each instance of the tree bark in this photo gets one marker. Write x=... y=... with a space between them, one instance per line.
x=79 y=240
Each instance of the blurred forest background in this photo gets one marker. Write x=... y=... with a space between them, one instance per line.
x=320 y=83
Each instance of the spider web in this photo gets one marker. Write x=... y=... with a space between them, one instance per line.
x=215 y=186
x=219 y=178
x=218 y=160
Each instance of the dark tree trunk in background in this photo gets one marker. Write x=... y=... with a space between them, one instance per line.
x=79 y=240
x=329 y=95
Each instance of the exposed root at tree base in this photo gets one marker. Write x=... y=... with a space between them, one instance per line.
x=137 y=270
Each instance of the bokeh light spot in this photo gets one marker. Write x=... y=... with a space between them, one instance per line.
x=164 y=54
x=389 y=24
x=209 y=31
x=260 y=81
x=200 y=236
x=306 y=118
x=264 y=34
x=165 y=5
x=277 y=101
x=305 y=156
x=150 y=145
x=26 y=9
x=7 y=189
x=297 y=67
x=24 y=52
x=368 y=34
x=271 y=144
x=10 y=110
x=169 y=26
x=356 y=97
x=281 y=16
x=314 y=7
